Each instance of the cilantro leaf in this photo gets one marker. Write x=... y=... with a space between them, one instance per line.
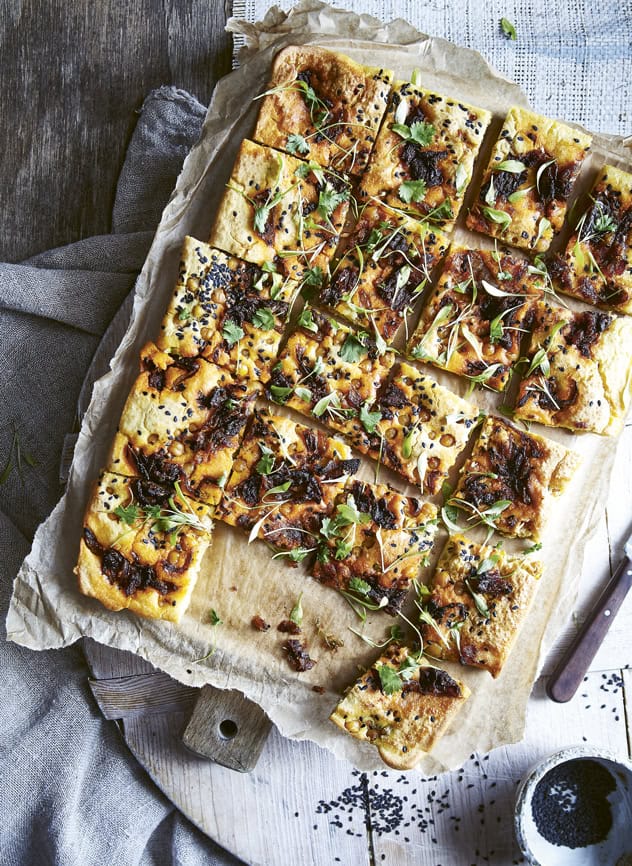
x=263 y=319
x=390 y=680
x=232 y=333
x=369 y=420
x=129 y=514
x=420 y=132
x=412 y=191
x=261 y=217
x=297 y=144
x=328 y=528
x=352 y=350
x=329 y=199
x=306 y=320
x=214 y=618
x=313 y=276
x=356 y=584
x=343 y=549
x=266 y=461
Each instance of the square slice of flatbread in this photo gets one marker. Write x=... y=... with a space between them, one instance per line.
x=323 y=106
x=525 y=189
x=480 y=596
x=141 y=547
x=374 y=544
x=400 y=706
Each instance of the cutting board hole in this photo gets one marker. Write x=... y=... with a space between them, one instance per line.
x=228 y=729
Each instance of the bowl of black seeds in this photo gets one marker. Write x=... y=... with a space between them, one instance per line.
x=575 y=809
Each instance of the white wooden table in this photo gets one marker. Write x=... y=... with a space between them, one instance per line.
x=301 y=805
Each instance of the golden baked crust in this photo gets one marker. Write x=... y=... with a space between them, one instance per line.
x=580 y=372
x=383 y=267
x=526 y=202
x=480 y=597
x=402 y=724
x=472 y=321
x=278 y=207
x=424 y=154
x=323 y=106
x=597 y=265
x=418 y=428
x=330 y=372
x=520 y=469
x=141 y=547
x=182 y=421
x=231 y=312
x=285 y=478
x=375 y=543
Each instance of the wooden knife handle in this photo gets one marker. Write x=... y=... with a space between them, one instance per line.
x=570 y=671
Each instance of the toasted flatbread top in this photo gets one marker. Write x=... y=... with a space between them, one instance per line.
x=141 y=546
x=480 y=597
x=323 y=106
x=519 y=469
x=424 y=154
x=531 y=172
x=383 y=266
x=402 y=711
x=472 y=321
x=580 y=375
x=597 y=265
x=276 y=206
x=375 y=543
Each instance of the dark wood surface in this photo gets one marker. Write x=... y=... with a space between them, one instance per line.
x=72 y=74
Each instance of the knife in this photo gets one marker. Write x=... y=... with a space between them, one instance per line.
x=572 y=667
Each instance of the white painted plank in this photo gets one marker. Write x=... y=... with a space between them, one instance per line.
x=276 y=815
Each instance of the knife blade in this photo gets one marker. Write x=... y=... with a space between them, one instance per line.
x=571 y=669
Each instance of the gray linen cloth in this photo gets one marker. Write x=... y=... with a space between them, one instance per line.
x=72 y=793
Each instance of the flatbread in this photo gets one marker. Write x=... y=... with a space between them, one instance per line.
x=285 y=479
x=383 y=267
x=424 y=154
x=375 y=543
x=228 y=311
x=322 y=105
x=579 y=376
x=276 y=206
x=182 y=421
x=133 y=555
x=522 y=470
x=480 y=596
x=404 y=724
x=417 y=428
x=597 y=264
x=473 y=320
x=330 y=372
x=533 y=167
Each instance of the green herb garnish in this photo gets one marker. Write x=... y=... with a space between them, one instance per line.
x=297 y=144
x=412 y=191
x=232 y=333
x=508 y=29
x=264 y=319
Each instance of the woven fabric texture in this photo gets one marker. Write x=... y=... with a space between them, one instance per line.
x=573 y=59
x=72 y=793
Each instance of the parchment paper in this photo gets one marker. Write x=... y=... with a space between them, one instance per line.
x=238 y=580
